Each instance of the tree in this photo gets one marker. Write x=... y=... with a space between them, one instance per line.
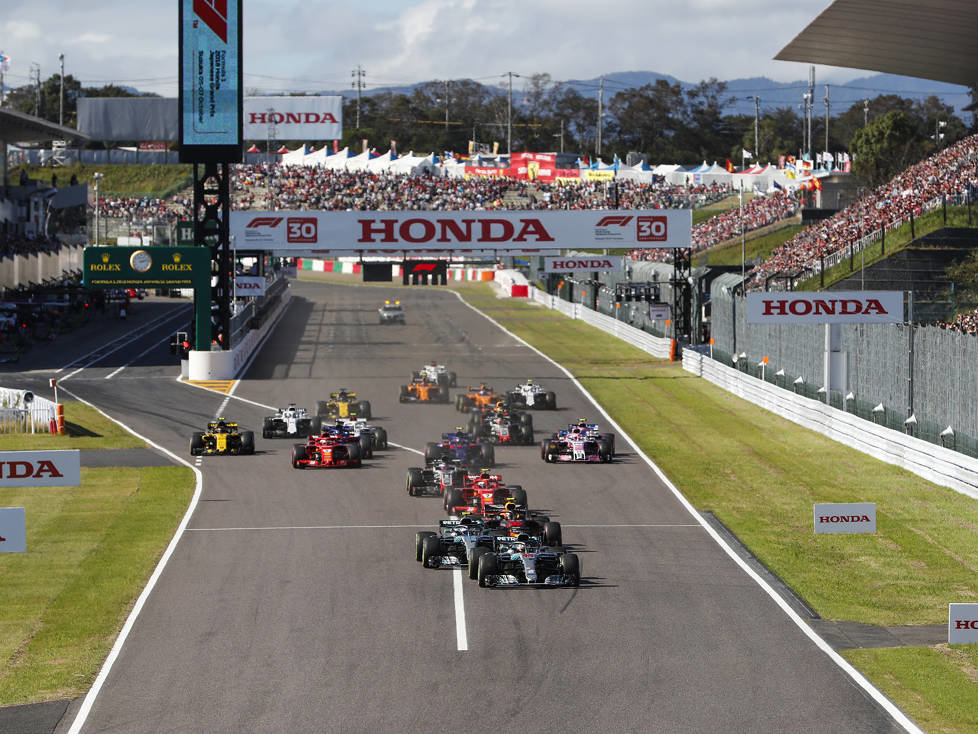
x=886 y=146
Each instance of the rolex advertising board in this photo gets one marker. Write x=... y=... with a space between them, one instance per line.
x=146 y=267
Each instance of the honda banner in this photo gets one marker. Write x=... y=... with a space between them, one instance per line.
x=962 y=624
x=586 y=263
x=460 y=231
x=246 y=286
x=40 y=468
x=293 y=118
x=851 y=517
x=826 y=307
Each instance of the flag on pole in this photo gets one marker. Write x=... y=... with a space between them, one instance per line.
x=730 y=168
x=778 y=186
x=4 y=62
x=816 y=185
x=747 y=154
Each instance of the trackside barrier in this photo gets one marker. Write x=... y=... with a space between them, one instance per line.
x=16 y=416
x=934 y=463
x=226 y=364
x=511 y=284
x=657 y=346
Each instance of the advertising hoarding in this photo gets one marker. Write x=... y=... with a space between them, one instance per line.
x=826 y=307
x=293 y=118
x=210 y=87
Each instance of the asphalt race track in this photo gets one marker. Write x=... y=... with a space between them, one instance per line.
x=293 y=603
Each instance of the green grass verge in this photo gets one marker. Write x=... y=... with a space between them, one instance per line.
x=936 y=686
x=757 y=248
x=85 y=428
x=761 y=474
x=157 y=181
x=896 y=240
x=90 y=551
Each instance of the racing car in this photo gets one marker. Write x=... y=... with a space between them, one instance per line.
x=454 y=542
x=423 y=390
x=435 y=478
x=486 y=496
x=580 y=442
x=520 y=561
x=531 y=395
x=371 y=437
x=343 y=404
x=436 y=373
x=462 y=446
x=391 y=313
x=499 y=425
x=291 y=421
x=326 y=450
x=476 y=397
x=222 y=437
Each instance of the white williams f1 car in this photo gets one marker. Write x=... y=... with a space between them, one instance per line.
x=531 y=395
x=291 y=422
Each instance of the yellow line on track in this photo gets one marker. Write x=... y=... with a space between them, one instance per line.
x=221 y=386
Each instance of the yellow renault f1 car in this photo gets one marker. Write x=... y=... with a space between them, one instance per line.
x=222 y=437
x=343 y=404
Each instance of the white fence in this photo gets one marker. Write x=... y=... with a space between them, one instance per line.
x=934 y=463
x=16 y=416
x=657 y=346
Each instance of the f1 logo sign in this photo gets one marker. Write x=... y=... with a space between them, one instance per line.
x=652 y=229
x=302 y=230
x=258 y=222
x=424 y=268
x=614 y=221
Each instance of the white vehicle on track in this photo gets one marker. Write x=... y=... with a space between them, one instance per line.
x=291 y=422
x=531 y=395
x=437 y=373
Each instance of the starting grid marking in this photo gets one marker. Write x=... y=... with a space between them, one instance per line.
x=222 y=386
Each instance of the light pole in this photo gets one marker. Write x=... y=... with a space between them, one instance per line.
x=757 y=123
x=61 y=103
x=97 y=177
x=509 y=115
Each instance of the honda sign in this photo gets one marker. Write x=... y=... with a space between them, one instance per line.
x=579 y=263
x=851 y=517
x=828 y=307
x=40 y=468
x=246 y=286
x=962 y=624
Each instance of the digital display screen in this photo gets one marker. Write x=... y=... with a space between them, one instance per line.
x=210 y=81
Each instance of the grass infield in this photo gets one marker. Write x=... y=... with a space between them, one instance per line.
x=90 y=552
x=761 y=474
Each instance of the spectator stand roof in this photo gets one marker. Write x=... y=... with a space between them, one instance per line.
x=18 y=127
x=930 y=40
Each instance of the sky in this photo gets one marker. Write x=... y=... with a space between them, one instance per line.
x=315 y=46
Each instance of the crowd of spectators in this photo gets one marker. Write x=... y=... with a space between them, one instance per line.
x=757 y=212
x=964 y=322
x=142 y=209
x=952 y=172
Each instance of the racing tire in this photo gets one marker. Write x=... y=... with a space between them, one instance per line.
x=415 y=479
x=443 y=381
x=430 y=548
x=570 y=565
x=298 y=454
x=609 y=438
x=266 y=428
x=419 y=541
x=197 y=444
x=380 y=438
x=473 y=560
x=415 y=375
x=458 y=478
x=403 y=397
x=519 y=495
x=247 y=442
x=366 y=446
x=364 y=409
x=487 y=567
x=552 y=534
x=315 y=425
x=488 y=455
x=453 y=499
x=354 y=449
x=452 y=380
x=321 y=408
x=551 y=401
x=432 y=452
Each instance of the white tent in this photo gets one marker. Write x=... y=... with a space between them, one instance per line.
x=294 y=157
x=316 y=157
x=337 y=161
x=381 y=163
x=358 y=162
x=413 y=164
x=638 y=172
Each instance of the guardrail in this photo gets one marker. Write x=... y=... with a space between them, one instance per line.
x=657 y=346
x=936 y=464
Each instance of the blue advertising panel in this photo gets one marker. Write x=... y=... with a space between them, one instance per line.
x=210 y=81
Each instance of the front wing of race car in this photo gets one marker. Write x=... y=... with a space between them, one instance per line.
x=336 y=456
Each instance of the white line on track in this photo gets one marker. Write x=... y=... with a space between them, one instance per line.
x=103 y=674
x=316 y=527
x=149 y=349
x=858 y=678
x=461 y=637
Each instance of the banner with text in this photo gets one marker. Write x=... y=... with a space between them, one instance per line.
x=293 y=118
x=40 y=468
x=845 y=517
x=585 y=263
x=962 y=624
x=458 y=231
x=826 y=307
